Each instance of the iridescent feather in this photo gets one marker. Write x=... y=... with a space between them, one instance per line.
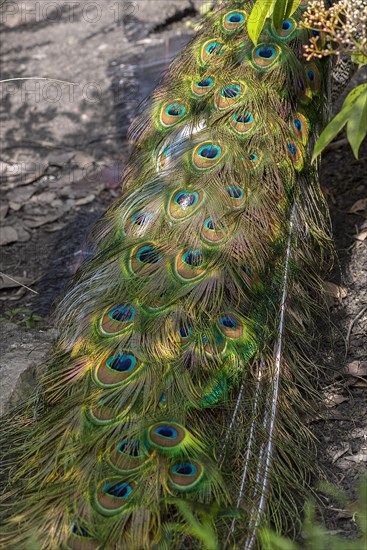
x=175 y=393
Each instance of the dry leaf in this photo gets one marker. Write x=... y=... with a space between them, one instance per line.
x=356 y=368
x=335 y=292
x=361 y=236
x=334 y=399
x=358 y=458
x=358 y=206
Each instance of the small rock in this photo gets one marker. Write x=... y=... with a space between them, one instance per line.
x=83 y=159
x=21 y=195
x=23 y=235
x=60 y=159
x=38 y=221
x=4 y=209
x=47 y=196
x=8 y=235
x=86 y=200
x=15 y=206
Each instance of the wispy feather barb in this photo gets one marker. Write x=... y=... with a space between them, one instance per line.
x=170 y=411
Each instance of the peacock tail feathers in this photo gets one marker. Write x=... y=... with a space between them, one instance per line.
x=172 y=405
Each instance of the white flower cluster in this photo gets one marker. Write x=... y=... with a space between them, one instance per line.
x=344 y=26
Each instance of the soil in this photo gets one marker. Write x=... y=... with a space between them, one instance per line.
x=108 y=66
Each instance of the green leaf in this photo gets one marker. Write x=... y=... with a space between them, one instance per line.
x=354 y=94
x=272 y=541
x=360 y=58
x=331 y=130
x=292 y=6
x=357 y=123
x=279 y=13
x=260 y=11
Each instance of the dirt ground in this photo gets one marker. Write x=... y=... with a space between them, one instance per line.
x=63 y=148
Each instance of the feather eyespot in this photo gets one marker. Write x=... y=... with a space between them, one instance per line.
x=116 y=320
x=128 y=455
x=183 y=203
x=211 y=50
x=229 y=95
x=300 y=127
x=214 y=346
x=167 y=437
x=295 y=154
x=185 y=476
x=303 y=90
x=237 y=195
x=172 y=113
x=145 y=259
x=213 y=233
x=233 y=21
x=243 y=122
x=103 y=413
x=253 y=160
x=207 y=155
x=81 y=539
x=185 y=333
x=189 y=264
x=113 y=495
x=313 y=77
x=202 y=87
x=289 y=26
x=265 y=56
x=231 y=326
x=164 y=158
x=138 y=222
x=116 y=369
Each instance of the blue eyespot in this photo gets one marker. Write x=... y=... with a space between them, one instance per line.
x=185 y=469
x=118 y=490
x=175 y=109
x=311 y=75
x=131 y=448
x=148 y=255
x=185 y=332
x=213 y=48
x=121 y=362
x=80 y=531
x=210 y=151
x=231 y=91
x=253 y=157
x=228 y=322
x=193 y=258
x=301 y=84
x=245 y=118
x=206 y=83
x=209 y=224
x=297 y=124
x=292 y=149
x=122 y=314
x=235 y=192
x=266 y=52
x=287 y=24
x=185 y=199
x=235 y=18
x=166 y=431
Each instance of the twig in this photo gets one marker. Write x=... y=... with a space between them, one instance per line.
x=352 y=323
x=18 y=282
